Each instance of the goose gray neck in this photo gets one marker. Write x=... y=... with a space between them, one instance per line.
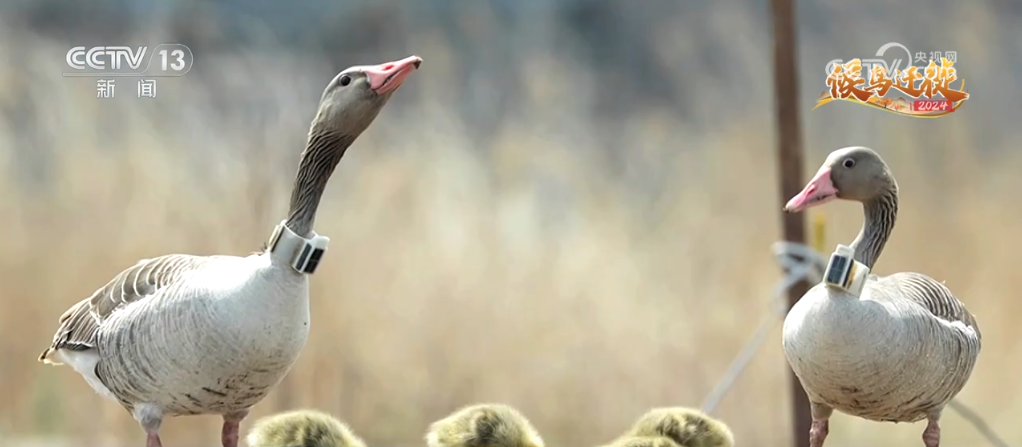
x=880 y=214
x=322 y=153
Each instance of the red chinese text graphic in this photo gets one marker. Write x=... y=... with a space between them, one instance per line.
x=846 y=81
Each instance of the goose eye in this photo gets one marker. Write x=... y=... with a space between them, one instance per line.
x=849 y=163
x=345 y=80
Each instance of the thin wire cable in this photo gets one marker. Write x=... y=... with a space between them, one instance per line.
x=802 y=262
x=977 y=421
x=799 y=262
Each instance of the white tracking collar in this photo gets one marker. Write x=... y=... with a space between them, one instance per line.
x=304 y=254
x=844 y=272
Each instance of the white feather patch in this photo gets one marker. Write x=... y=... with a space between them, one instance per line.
x=85 y=363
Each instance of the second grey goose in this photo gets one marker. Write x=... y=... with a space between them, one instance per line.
x=187 y=335
x=903 y=348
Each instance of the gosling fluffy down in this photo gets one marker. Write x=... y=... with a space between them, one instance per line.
x=687 y=427
x=483 y=425
x=643 y=441
x=302 y=428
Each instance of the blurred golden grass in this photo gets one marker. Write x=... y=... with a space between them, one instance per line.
x=456 y=278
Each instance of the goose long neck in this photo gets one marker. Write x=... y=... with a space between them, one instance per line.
x=321 y=155
x=880 y=214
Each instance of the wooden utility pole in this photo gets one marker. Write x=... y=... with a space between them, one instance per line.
x=789 y=163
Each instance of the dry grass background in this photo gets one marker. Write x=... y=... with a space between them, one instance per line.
x=582 y=286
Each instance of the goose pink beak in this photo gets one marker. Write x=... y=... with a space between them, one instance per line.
x=818 y=191
x=389 y=76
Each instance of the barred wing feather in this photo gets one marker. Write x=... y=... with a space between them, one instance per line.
x=79 y=325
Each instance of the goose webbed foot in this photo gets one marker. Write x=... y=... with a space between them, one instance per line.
x=931 y=435
x=231 y=428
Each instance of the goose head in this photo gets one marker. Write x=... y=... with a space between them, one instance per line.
x=355 y=96
x=853 y=173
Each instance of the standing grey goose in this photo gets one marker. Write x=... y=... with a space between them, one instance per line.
x=902 y=349
x=187 y=335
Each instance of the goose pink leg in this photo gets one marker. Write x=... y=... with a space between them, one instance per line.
x=231 y=428
x=821 y=424
x=153 y=440
x=931 y=435
x=150 y=417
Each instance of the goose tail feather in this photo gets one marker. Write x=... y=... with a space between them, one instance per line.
x=48 y=357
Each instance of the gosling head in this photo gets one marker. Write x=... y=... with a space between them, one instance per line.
x=484 y=425
x=643 y=441
x=687 y=427
x=305 y=428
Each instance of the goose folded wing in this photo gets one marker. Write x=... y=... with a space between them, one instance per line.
x=145 y=280
x=936 y=298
